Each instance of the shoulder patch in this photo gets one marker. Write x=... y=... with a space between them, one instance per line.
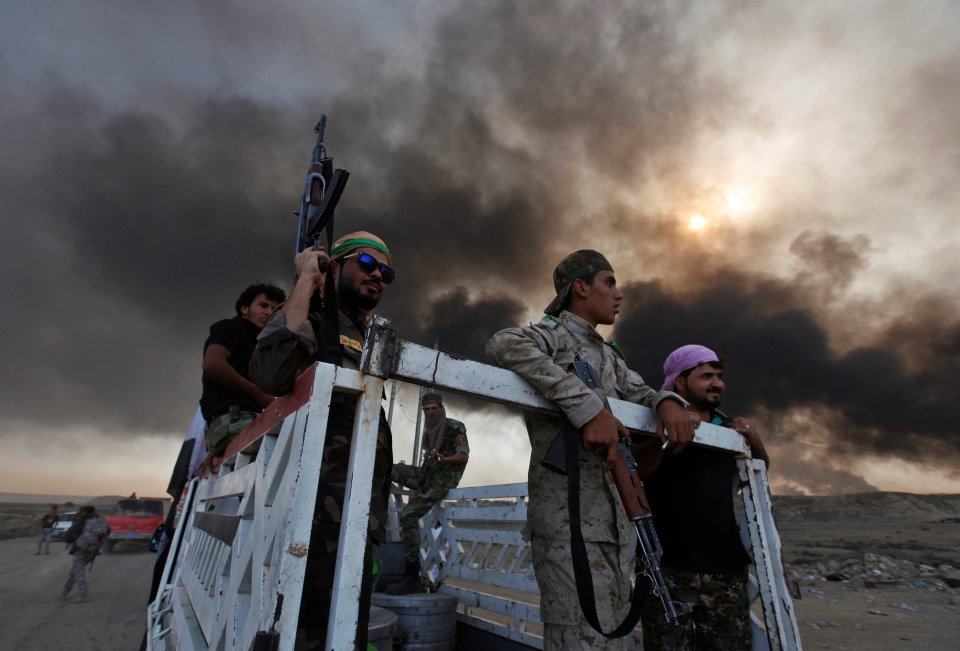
x=616 y=348
x=461 y=439
x=350 y=343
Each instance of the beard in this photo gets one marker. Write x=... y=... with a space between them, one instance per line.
x=353 y=297
x=706 y=401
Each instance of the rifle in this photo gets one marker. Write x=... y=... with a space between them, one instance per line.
x=431 y=459
x=321 y=193
x=562 y=457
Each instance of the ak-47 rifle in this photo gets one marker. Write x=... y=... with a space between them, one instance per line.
x=320 y=196
x=431 y=459
x=563 y=457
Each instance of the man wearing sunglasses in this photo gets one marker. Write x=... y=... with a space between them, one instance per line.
x=294 y=338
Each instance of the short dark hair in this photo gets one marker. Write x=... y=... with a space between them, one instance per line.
x=272 y=292
x=588 y=279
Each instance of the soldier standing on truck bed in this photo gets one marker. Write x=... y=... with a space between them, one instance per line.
x=230 y=401
x=445 y=456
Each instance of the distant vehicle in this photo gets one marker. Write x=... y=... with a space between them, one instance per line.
x=66 y=519
x=134 y=520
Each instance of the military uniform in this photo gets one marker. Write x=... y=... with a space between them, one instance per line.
x=704 y=562
x=84 y=550
x=281 y=355
x=443 y=477
x=541 y=354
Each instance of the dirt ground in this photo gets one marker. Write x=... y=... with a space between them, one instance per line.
x=34 y=618
x=831 y=615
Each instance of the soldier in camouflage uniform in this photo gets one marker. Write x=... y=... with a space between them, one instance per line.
x=691 y=496
x=445 y=456
x=292 y=340
x=91 y=531
x=587 y=295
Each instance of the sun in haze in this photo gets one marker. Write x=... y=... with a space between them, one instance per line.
x=738 y=200
x=697 y=222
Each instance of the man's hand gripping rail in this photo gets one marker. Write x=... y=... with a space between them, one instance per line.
x=632 y=495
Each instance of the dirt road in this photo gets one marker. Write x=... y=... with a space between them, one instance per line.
x=34 y=618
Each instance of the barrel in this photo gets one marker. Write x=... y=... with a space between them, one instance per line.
x=381 y=628
x=425 y=622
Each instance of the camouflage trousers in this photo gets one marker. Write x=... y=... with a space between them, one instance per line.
x=318 y=584
x=564 y=626
x=720 y=620
x=420 y=503
x=223 y=429
x=78 y=575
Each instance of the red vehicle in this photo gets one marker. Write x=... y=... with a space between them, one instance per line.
x=134 y=520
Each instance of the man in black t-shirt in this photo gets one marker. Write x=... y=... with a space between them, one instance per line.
x=230 y=401
x=47 y=523
x=691 y=496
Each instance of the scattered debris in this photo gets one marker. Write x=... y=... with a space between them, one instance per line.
x=875 y=571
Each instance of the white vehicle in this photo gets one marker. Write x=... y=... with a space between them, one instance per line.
x=66 y=519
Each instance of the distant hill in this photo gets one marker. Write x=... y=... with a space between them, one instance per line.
x=859 y=505
x=36 y=498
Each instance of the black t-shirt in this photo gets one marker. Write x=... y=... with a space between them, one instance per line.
x=691 y=496
x=239 y=336
x=49 y=521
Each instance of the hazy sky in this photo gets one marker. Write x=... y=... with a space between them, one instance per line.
x=774 y=180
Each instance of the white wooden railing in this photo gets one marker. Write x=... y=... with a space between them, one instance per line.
x=237 y=581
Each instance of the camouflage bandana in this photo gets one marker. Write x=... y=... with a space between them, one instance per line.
x=576 y=265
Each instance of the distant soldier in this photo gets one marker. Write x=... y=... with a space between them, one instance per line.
x=47 y=523
x=85 y=537
x=445 y=456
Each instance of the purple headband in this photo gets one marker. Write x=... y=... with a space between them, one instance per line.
x=684 y=359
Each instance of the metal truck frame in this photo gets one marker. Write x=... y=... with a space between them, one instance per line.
x=234 y=577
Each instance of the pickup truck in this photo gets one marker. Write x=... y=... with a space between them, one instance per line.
x=134 y=520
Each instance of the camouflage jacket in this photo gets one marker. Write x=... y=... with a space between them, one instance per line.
x=454 y=440
x=540 y=354
x=93 y=533
x=281 y=355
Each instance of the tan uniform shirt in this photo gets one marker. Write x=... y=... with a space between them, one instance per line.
x=540 y=354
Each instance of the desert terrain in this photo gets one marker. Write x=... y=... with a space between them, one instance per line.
x=892 y=560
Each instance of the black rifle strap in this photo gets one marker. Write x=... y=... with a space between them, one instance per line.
x=332 y=352
x=578 y=549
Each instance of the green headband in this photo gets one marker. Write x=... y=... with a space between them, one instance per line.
x=356 y=243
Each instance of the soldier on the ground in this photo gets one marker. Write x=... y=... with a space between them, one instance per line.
x=587 y=295
x=445 y=456
x=292 y=340
x=691 y=496
x=47 y=523
x=230 y=401
x=85 y=537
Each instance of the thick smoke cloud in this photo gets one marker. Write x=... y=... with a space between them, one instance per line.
x=142 y=192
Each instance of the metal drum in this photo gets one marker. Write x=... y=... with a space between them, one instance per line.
x=381 y=628
x=425 y=622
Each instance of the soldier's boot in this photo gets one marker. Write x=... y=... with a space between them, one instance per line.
x=410 y=583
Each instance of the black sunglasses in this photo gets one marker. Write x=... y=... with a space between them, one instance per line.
x=368 y=264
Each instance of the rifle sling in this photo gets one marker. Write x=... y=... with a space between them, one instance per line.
x=581 y=564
